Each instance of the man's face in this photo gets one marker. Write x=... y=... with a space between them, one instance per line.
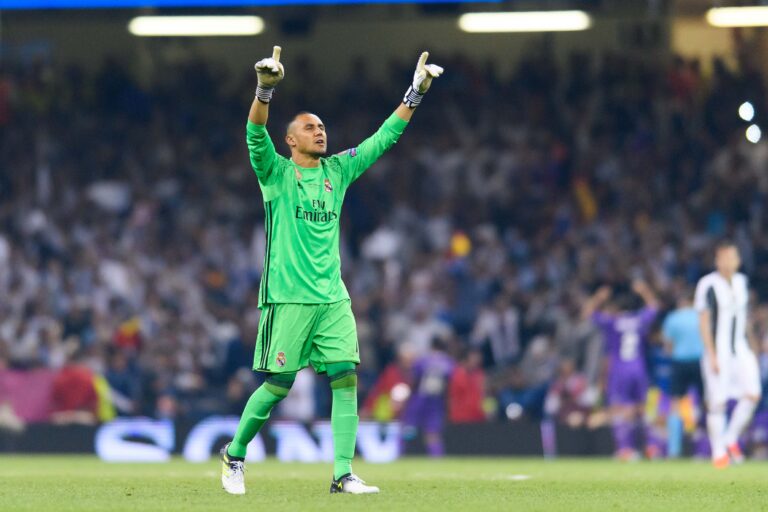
x=727 y=260
x=306 y=135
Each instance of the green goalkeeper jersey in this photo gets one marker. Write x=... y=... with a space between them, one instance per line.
x=302 y=211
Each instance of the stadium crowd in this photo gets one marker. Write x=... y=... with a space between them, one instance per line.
x=131 y=226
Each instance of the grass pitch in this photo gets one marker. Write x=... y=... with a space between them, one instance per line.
x=69 y=483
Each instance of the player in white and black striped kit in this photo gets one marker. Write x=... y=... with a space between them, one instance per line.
x=729 y=365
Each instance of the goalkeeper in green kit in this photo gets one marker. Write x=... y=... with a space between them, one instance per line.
x=306 y=316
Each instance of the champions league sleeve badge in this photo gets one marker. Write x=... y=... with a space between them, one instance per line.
x=350 y=152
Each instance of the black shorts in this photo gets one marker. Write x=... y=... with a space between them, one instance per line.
x=685 y=375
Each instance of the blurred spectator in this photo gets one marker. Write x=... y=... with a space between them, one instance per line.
x=466 y=390
x=526 y=385
x=420 y=327
x=570 y=399
x=74 y=396
x=240 y=386
x=497 y=329
x=299 y=405
x=123 y=382
x=390 y=393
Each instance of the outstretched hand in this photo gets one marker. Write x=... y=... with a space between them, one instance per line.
x=603 y=294
x=639 y=286
x=422 y=77
x=270 y=71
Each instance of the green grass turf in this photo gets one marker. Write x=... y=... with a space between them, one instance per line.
x=66 y=483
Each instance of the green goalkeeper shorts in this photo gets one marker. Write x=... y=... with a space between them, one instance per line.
x=293 y=336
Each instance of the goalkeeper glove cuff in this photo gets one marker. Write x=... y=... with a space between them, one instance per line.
x=264 y=94
x=412 y=97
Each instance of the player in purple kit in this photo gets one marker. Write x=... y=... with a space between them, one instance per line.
x=625 y=334
x=426 y=407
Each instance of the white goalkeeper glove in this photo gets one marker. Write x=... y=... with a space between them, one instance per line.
x=269 y=71
x=422 y=79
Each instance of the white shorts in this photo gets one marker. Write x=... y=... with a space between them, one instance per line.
x=739 y=376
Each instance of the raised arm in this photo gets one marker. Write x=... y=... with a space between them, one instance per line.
x=269 y=71
x=645 y=292
x=596 y=301
x=358 y=159
x=261 y=149
x=422 y=80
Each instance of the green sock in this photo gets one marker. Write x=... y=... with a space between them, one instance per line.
x=256 y=413
x=344 y=423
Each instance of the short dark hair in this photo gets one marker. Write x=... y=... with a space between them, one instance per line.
x=725 y=243
x=439 y=344
x=299 y=113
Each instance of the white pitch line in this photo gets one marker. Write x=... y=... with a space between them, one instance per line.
x=514 y=478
